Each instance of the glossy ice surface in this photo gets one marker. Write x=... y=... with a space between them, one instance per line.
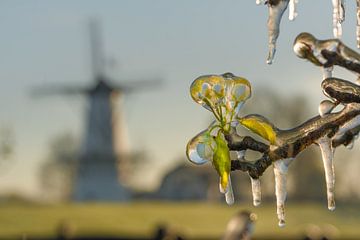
x=225 y=94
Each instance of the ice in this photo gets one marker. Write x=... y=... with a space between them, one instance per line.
x=275 y=14
x=292 y=9
x=280 y=171
x=338 y=12
x=199 y=150
x=358 y=78
x=326 y=107
x=351 y=144
x=358 y=23
x=351 y=124
x=327 y=153
x=256 y=191
x=327 y=71
x=342 y=11
x=240 y=155
x=229 y=195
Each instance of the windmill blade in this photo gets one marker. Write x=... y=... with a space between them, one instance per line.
x=138 y=85
x=96 y=48
x=44 y=91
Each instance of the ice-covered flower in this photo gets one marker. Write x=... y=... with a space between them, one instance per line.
x=223 y=95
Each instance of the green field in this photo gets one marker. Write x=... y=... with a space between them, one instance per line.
x=193 y=219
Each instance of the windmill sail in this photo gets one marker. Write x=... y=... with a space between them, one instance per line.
x=104 y=142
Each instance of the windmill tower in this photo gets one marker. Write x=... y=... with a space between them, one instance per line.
x=97 y=176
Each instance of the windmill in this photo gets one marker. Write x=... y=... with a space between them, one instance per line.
x=97 y=176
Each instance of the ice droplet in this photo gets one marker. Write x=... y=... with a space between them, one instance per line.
x=326 y=107
x=275 y=14
x=356 y=136
x=351 y=144
x=338 y=12
x=198 y=150
x=229 y=195
x=292 y=9
x=256 y=191
x=327 y=153
x=280 y=171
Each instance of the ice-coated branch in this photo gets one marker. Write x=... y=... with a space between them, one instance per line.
x=326 y=53
x=225 y=94
x=292 y=142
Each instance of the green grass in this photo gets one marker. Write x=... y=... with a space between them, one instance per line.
x=194 y=219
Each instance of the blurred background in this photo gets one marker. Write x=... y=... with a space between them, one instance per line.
x=96 y=113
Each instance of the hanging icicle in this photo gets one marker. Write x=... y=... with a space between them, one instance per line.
x=292 y=10
x=280 y=172
x=276 y=11
x=327 y=153
x=229 y=195
x=256 y=191
x=338 y=17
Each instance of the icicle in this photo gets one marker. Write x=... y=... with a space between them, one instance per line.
x=327 y=153
x=280 y=171
x=358 y=23
x=342 y=11
x=326 y=107
x=229 y=195
x=292 y=9
x=275 y=14
x=327 y=71
x=256 y=191
x=337 y=9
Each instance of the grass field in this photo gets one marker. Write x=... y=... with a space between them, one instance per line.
x=193 y=219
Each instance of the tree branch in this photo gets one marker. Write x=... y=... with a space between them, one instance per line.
x=293 y=141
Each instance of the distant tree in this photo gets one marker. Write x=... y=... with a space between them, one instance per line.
x=7 y=143
x=58 y=171
x=7 y=148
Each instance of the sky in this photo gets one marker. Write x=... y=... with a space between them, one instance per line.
x=44 y=43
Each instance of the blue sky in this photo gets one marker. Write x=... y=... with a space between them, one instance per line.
x=46 y=42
